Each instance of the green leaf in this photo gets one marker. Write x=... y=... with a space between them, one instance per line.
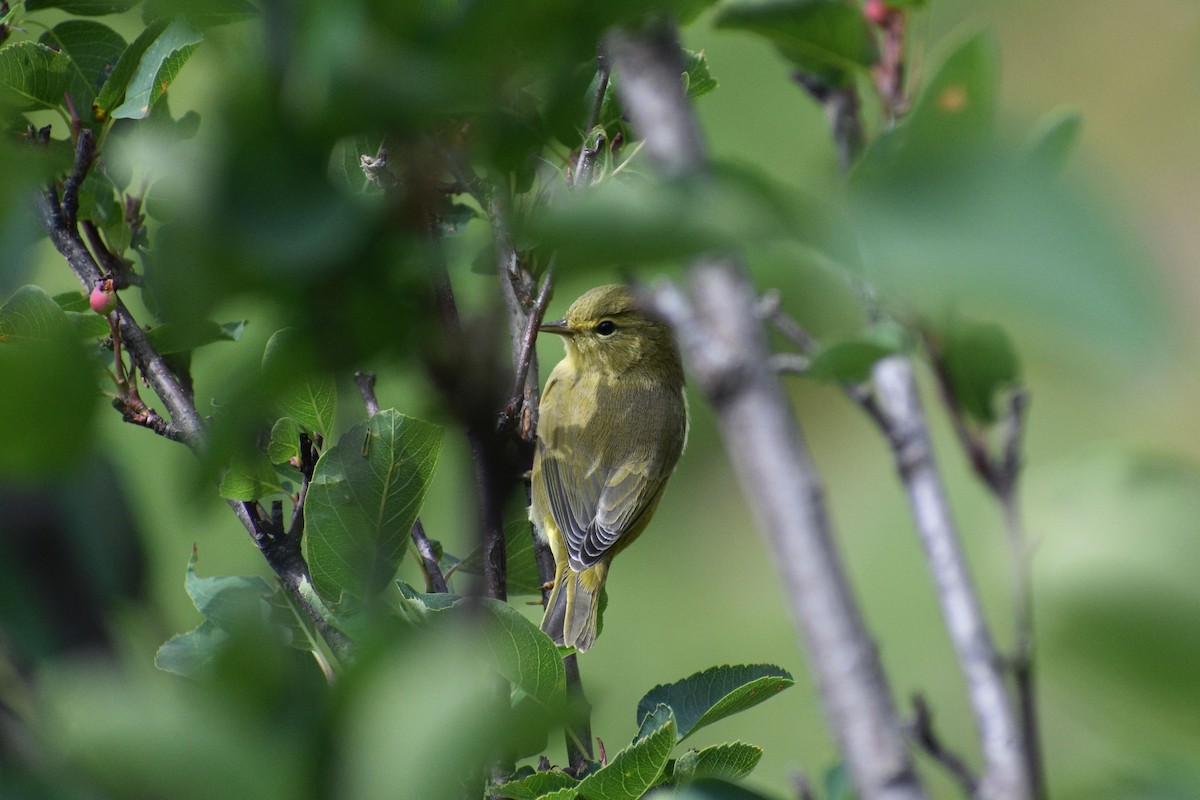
x=427 y=601
x=113 y=90
x=32 y=76
x=312 y=399
x=523 y=575
x=697 y=79
x=364 y=496
x=202 y=14
x=88 y=324
x=825 y=37
x=707 y=789
x=94 y=49
x=730 y=761
x=1055 y=139
x=284 y=444
x=637 y=220
x=83 y=8
x=171 y=338
x=232 y=605
x=979 y=361
x=950 y=215
x=157 y=68
x=249 y=477
x=48 y=388
x=630 y=773
x=31 y=315
x=848 y=362
x=713 y=694
x=535 y=786
x=72 y=301
x=526 y=656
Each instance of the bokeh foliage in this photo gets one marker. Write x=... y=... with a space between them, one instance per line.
x=256 y=207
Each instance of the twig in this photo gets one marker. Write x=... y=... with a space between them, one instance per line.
x=889 y=72
x=1000 y=474
x=725 y=346
x=136 y=412
x=111 y=263
x=365 y=381
x=923 y=733
x=802 y=787
x=842 y=111
x=282 y=554
x=517 y=286
x=434 y=580
x=903 y=417
x=58 y=218
x=521 y=393
x=585 y=165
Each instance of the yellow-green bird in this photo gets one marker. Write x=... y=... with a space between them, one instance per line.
x=612 y=423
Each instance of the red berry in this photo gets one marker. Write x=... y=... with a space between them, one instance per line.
x=101 y=301
x=877 y=12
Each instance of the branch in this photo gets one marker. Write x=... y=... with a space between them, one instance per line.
x=365 y=381
x=842 y=111
x=521 y=394
x=922 y=731
x=725 y=346
x=585 y=165
x=434 y=580
x=904 y=423
x=482 y=441
x=517 y=286
x=59 y=220
x=282 y=553
x=889 y=72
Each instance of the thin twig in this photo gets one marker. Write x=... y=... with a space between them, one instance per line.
x=520 y=393
x=517 y=286
x=108 y=260
x=136 y=412
x=725 y=346
x=802 y=787
x=59 y=220
x=434 y=580
x=923 y=733
x=842 y=112
x=585 y=165
x=889 y=71
x=365 y=381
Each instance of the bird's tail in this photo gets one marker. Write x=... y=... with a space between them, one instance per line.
x=573 y=608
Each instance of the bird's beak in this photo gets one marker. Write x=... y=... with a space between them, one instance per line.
x=559 y=326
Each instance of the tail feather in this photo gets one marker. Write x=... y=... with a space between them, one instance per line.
x=573 y=607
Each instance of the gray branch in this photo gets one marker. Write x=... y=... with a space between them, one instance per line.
x=1005 y=776
x=724 y=344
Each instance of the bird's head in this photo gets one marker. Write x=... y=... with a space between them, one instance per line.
x=606 y=330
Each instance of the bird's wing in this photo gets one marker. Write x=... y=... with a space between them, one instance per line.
x=595 y=507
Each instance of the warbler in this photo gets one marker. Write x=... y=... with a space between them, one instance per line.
x=613 y=422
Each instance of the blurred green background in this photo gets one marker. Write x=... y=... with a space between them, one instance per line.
x=1111 y=491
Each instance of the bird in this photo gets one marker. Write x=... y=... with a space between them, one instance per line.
x=613 y=422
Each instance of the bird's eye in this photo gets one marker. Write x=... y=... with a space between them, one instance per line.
x=606 y=327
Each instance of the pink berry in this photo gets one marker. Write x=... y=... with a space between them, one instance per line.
x=876 y=12
x=101 y=301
